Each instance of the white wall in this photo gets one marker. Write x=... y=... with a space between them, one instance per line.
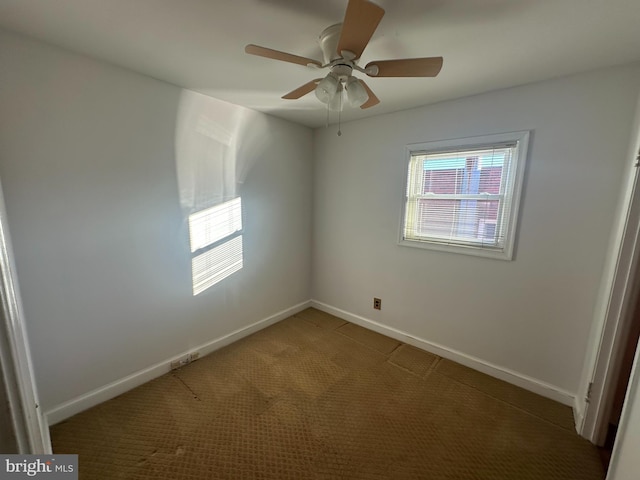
x=88 y=156
x=530 y=316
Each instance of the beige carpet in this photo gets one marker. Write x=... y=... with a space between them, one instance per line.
x=315 y=397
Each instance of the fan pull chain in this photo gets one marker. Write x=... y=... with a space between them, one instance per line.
x=340 y=115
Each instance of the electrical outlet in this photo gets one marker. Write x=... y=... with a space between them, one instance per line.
x=176 y=364
x=377 y=303
x=191 y=357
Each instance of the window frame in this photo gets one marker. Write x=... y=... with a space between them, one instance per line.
x=515 y=183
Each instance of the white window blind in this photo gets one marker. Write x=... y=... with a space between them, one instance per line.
x=464 y=196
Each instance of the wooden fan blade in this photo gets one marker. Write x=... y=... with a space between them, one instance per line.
x=360 y=21
x=303 y=90
x=408 y=67
x=373 y=100
x=278 y=55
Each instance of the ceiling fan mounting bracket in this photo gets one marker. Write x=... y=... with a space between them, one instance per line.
x=328 y=41
x=371 y=70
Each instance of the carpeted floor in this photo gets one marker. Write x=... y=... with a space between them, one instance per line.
x=315 y=397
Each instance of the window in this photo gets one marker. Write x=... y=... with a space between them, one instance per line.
x=462 y=195
x=216 y=244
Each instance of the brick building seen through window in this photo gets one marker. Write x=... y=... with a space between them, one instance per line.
x=473 y=219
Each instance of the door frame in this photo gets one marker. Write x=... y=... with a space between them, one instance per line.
x=29 y=424
x=622 y=287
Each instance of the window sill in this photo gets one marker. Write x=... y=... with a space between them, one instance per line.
x=505 y=254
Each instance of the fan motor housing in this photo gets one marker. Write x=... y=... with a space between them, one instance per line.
x=342 y=70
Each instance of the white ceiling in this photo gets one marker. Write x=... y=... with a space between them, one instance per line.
x=199 y=44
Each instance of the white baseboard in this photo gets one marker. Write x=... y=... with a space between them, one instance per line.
x=579 y=407
x=518 y=379
x=118 y=387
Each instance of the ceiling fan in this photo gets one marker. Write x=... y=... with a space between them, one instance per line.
x=342 y=45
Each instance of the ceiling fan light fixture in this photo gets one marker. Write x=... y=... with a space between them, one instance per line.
x=336 y=103
x=356 y=93
x=327 y=88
